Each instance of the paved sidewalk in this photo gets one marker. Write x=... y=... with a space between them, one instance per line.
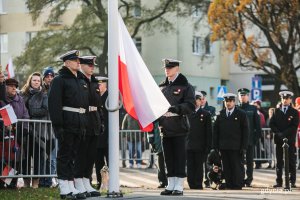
x=253 y=193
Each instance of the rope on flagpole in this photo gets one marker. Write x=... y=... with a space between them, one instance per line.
x=117 y=108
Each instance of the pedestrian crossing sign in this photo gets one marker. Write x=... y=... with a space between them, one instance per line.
x=221 y=91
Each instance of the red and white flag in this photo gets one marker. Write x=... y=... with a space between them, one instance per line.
x=142 y=98
x=8 y=171
x=8 y=115
x=10 y=69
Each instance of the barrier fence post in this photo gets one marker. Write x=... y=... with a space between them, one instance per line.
x=285 y=147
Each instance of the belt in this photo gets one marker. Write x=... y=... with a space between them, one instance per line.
x=70 y=109
x=170 y=114
x=92 y=108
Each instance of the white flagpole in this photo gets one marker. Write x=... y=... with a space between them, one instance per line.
x=113 y=96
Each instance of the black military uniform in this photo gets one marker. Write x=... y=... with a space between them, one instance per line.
x=198 y=145
x=84 y=160
x=175 y=127
x=230 y=136
x=212 y=111
x=102 y=142
x=284 y=124
x=68 y=104
x=254 y=134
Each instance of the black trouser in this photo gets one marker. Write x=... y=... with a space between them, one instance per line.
x=161 y=173
x=206 y=169
x=101 y=156
x=84 y=160
x=249 y=164
x=280 y=163
x=233 y=168
x=175 y=155
x=195 y=160
x=67 y=150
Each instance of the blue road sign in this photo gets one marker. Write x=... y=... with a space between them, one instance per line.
x=221 y=91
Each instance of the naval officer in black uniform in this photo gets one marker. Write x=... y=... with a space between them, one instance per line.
x=254 y=131
x=198 y=143
x=175 y=126
x=284 y=124
x=230 y=136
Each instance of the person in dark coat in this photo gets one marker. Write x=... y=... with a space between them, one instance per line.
x=175 y=125
x=68 y=108
x=48 y=75
x=284 y=124
x=254 y=131
x=215 y=174
x=40 y=142
x=230 y=136
x=102 y=142
x=154 y=140
x=2 y=86
x=84 y=160
x=199 y=142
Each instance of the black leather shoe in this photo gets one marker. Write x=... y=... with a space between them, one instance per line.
x=293 y=185
x=166 y=192
x=277 y=185
x=80 y=196
x=161 y=186
x=248 y=185
x=67 y=196
x=87 y=194
x=177 y=193
x=95 y=194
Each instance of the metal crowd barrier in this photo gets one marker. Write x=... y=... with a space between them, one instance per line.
x=134 y=147
x=27 y=149
x=265 y=151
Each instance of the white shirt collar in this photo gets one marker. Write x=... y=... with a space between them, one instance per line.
x=231 y=111
x=174 y=78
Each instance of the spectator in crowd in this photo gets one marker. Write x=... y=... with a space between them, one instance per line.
x=284 y=124
x=2 y=87
x=297 y=107
x=134 y=140
x=36 y=102
x=199 y=142
x=230 y=136
x=18 y=104
x=269 y=142
x=48 y=75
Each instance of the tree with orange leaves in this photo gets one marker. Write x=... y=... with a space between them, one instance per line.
x=262 y=35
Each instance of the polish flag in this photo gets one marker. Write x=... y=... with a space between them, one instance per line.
x=10 y=69
x=8 y=115
x=142 y=98
x=8 y=171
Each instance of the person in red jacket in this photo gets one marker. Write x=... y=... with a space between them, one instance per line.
x=297 y=107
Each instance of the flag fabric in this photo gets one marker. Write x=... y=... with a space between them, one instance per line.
x=8 y=171
x=8 y=115
x=10 y=69
x=142 y=98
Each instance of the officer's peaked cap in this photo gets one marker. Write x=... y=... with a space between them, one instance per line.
x=198 y=95
x=70 y=55
x=88 y=60
x=229 y=96
x=243 y=91
x=102 y=79
x=170 y=63
x=286 y=94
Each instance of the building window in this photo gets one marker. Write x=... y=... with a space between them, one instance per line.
x=138 y=43
x=197 y=46
x=137 y=8
x=212 y=92
x=207 y=45
x=2 y=9
x=196 y=11
x=4 y=43
x=30 y=36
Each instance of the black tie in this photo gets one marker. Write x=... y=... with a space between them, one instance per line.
x=284 y=110
x=228 y=114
